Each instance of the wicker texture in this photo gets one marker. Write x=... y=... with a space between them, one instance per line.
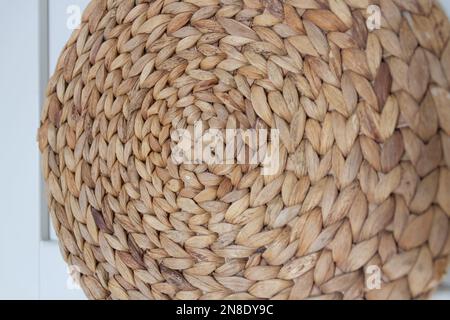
x=364 y=120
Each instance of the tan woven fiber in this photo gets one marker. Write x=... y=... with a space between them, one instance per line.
x=364 y=123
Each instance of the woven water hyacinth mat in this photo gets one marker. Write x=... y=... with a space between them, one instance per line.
x=358 y=93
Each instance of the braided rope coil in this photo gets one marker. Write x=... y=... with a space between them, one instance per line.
x=364 y=123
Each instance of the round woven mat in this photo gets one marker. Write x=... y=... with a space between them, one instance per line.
x=360 y=206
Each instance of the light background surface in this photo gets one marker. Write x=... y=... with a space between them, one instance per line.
x=31 y=268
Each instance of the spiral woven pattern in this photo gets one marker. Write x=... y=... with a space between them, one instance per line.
x=364 y=122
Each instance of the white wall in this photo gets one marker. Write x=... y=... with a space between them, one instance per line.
x=19 y=160
x=30 y=267
x=446 y=4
